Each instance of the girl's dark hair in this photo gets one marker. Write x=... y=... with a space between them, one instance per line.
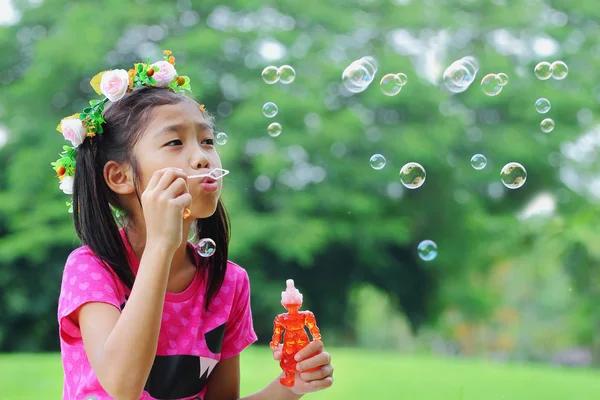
x=94 y=202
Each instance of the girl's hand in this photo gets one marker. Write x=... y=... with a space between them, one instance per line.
x=315 y=371
x=163 y=201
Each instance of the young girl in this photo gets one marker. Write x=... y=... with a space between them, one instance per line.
x=141 y=314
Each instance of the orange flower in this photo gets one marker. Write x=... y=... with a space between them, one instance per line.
x=130 y=82
x=167 y=52
x=202 y=108
x=61 y=170
x=131 y=73
x=180 y=80
x=171 y=60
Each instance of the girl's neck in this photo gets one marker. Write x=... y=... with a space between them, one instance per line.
x=136 y=235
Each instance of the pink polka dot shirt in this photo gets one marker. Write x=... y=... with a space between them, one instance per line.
x=191 y=341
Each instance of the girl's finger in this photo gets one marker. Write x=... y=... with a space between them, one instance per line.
x=313 y=347
x=178 y=187
x=168 y=177
x=322 y=384
x=321 y=373
x=320 y=359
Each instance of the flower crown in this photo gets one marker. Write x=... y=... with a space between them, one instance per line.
x=113 y=85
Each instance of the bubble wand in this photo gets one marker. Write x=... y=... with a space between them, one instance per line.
x=223 y=172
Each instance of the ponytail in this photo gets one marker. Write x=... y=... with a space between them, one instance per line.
x=93 y=218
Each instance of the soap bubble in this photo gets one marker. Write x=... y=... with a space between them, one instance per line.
x=478 y=161
x=221 y=138
x=403 y=78
x=206 y=247
x=513 y=175
x=457 y=77
x=542 y=105
x=491 y=85
x=472 y=61
x=359 y=75
x=371 y=60
x=287 y=74
x=542 y=71
x=559 y=70
x=270 y=74
x=427 y=250
x=547 y=125
x=274 y=129
x=503 y=78
x=390 y=85
x=270 y=109
x=412 y=175
x=377 y=161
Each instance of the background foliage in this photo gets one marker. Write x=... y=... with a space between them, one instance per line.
x=517 y=272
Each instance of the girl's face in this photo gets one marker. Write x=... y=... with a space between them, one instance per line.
x=178 y=136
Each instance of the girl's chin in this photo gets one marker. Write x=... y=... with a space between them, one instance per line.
x=201 y=212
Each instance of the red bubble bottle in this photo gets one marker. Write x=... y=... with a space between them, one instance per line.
x=292 y=324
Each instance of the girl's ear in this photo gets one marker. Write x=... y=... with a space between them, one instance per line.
x=119 y=178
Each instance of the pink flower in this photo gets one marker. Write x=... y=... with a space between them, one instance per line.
x=165 y=74
x=73 y=130
x=114 y=84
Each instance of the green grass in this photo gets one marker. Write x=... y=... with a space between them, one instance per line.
x=359 y=374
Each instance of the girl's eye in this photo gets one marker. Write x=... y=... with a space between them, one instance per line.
x=209 y=142
x=175 y=142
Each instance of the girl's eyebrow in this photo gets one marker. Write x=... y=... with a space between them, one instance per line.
x=200 y=126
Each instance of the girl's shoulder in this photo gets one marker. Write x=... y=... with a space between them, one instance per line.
x=237 y=275
x=83 y=264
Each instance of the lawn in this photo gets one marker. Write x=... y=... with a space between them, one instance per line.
x=359 y=374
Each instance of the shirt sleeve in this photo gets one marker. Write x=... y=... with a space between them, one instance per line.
x=85 y=280
x=239 y=331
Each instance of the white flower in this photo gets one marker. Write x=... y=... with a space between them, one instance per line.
x=114 y=84
x=164 y=73
x=66 y=184
x=73 y=130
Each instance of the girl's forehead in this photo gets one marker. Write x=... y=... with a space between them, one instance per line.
x=184 y=110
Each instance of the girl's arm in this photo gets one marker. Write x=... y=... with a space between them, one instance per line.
x=121 y=346
x=224 y=384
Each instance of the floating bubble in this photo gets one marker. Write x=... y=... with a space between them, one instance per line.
x=377 y=161
x=403 y=78
x=359 y=75
x=412 y=175
x=270 y=75
x=478 y=161
x=491 y=85
x=542 y=70
x=473 y=61
x=287 y=74
x=274 y=129
x=270 y=109
x=390 y=85
x=503 y=78
x=559 y=70
x=547 y=125
x=513 y=175
x=371 y=60
x=206 y=247
x=427 y=250
x=221 y=138
x=459 y=76
x=542 y=105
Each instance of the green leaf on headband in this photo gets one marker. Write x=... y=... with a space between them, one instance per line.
x=140 y=67
x=152 y=81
